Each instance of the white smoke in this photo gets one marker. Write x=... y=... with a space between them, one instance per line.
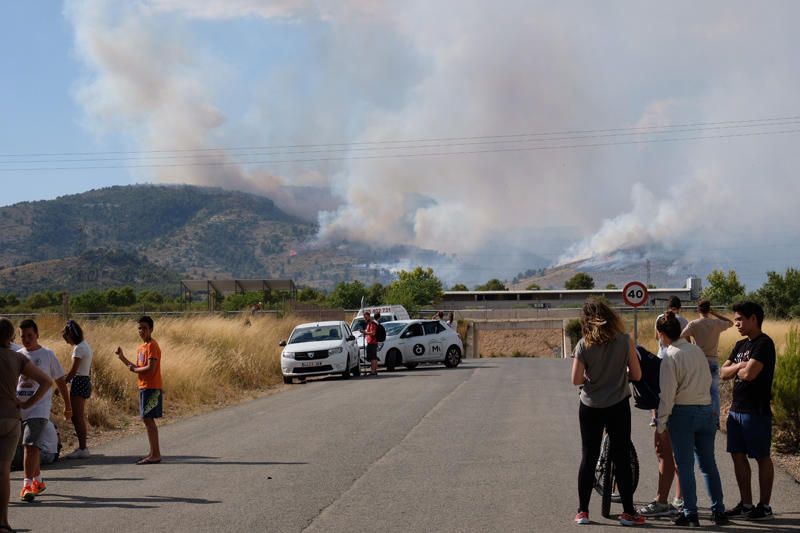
x=378 y=71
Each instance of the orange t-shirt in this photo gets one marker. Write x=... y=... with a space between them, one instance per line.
x=152 y=378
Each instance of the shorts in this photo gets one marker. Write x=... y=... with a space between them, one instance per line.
x=151 y=403
x=81 y=386
x=33 y=431
x=372 y=352
x=749 y=433
x=9 y=437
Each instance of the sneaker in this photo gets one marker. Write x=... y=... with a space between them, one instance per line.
x=720 y=519
x=582 y=518
x=38 y=487
x=27 y=494
x=677 y=503
x=631 y=519
x=78 y=453
x=652 y=422
x=656 y=508
x=740 y=510
x=687 y=520
x=760 y=512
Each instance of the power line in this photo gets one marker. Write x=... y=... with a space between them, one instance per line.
x=403 y=156
x=632 y=129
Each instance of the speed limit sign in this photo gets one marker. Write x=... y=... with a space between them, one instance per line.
x=635 y=294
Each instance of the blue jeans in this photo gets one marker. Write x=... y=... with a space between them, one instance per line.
x=714 y=367
x=692 y=430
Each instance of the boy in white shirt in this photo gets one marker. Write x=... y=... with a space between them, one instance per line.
x=36 y=419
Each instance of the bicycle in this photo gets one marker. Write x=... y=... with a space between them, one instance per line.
x=604 y=479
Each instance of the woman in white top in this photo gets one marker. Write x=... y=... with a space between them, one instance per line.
x=684 y=409
x=81 y=389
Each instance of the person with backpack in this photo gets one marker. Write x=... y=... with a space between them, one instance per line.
x=380 y=331
x=646 y=396
x=371 y=342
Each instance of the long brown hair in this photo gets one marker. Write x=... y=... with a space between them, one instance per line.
x=599 y=323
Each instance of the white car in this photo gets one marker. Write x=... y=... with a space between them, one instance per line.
x=320 y=348
x=411 y=342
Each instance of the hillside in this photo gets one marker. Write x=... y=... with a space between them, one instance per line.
x=151 y=236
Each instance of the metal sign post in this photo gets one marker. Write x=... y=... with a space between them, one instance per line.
x=635 y=294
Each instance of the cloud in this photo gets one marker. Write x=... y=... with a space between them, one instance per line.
x=366 y=72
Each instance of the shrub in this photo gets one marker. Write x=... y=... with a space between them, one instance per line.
x=574 y=331
x=786 y=395
x=580 y=281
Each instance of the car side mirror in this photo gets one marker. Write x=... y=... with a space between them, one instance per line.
x=282 y=343
x=351 y=338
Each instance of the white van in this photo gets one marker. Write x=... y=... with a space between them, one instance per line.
x=389 y=313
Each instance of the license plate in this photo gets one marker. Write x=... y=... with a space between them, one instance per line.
x=312 y=363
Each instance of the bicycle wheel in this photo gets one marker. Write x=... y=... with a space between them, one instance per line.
x=608 y=487
x=600 y=468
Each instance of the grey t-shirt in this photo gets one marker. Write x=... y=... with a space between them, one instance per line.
x=606 y=371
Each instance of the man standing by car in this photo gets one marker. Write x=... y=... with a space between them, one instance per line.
x=371 y=342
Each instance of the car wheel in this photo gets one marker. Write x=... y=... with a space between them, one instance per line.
x=411 y=366
x=393 y=358
x=346 y=373
x=287 y=380
x=357 y=369
x=453 y=357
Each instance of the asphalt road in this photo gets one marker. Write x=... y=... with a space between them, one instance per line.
x=490 y=446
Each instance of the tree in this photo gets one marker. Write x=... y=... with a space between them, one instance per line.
x=493 y=284
x=580 y=281
x=91 y=301
x=310 y=294
x=611 y=287
x=459 y=287
x=376 y=294
x=780 y=295
x=414 y=289
x=723 y=289
x=533 y=287
x=347 y=295
x=123 y=297
x=150 y=298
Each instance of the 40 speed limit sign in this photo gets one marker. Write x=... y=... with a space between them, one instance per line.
x=635 y=294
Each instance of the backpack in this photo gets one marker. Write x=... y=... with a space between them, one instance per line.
x=646 y=390
x=380 y=333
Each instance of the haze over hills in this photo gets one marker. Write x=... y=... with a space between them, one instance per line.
x=152 y=236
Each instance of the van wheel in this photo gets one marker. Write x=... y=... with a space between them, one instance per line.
x=287 y=380
x=346 y=373
x=411 y=366
x=393 y=358
x=453 y=357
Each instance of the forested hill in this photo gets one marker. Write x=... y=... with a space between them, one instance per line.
x=146 y=235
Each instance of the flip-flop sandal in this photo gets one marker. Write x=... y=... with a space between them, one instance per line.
x=147 y=461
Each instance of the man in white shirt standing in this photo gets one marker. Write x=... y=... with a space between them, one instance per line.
x=36 y=419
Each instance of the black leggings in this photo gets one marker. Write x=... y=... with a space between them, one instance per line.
x=617 y=422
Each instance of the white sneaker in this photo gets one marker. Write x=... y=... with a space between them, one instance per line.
x=78 y=453
x=677 y=503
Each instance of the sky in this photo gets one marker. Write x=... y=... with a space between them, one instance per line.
x=488 y=130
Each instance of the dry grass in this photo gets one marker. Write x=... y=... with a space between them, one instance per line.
x=207 y=361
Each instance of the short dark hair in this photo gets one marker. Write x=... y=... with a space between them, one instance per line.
x=29 y=323
x=377 y=315
x=73 y=331
x=6 y=331
x=668 y=324
x=748 y=309
x=675 y=302
x=146 y=320
x=704 y=306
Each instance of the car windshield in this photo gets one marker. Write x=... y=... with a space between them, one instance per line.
x=394 y=328
x=314 y=334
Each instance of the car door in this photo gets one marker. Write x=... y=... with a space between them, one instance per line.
x=434 y=340
x=412 y=343
x=352 y=347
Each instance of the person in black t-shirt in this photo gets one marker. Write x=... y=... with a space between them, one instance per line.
x=752 y=366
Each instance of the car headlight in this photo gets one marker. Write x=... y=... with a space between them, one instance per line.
x=288 y=355
x=334 y=351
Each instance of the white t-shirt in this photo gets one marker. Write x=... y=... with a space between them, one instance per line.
x=48 y=363
x=662 y=350
x=83 y=352
x=15 y=347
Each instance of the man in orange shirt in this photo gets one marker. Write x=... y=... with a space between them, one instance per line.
x=148 y=369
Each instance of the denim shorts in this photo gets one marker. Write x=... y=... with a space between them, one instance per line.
x=749 y=433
